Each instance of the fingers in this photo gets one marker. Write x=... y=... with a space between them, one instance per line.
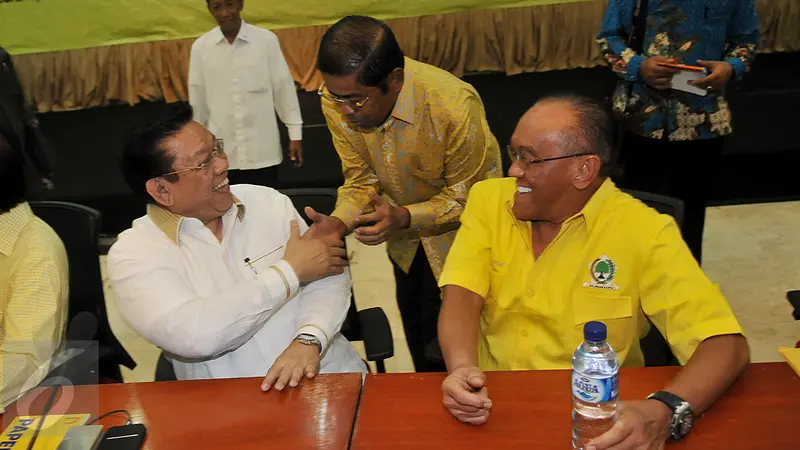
x=297 y=374
x=283 y=378
x=310 y=371
x=374 y=230
x=612 y=438
x=377 y=200
x=338 y=252
x=374 y=216
x=313 y=215
x=272 y=375
x=464 y=397
x=294 y=230
x=476 y=379
x=374 y=240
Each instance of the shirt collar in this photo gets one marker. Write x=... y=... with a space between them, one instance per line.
x=590 y=212
x=170 y=223
x=404 y=107
x=11 y=225
x=244 y=33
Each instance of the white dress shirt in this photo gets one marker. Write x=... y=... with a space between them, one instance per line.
x=215 y=315
x=235 y=90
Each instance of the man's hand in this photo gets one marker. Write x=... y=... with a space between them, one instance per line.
x=313 y=257
x=659 y=77
x=465 y=396
x=386 y=217
x=296 y=152
x=297 y=361
x=719 y=76
x=325 y=226
x=642 y=425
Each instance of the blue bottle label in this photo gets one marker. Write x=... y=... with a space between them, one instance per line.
x=594 y=390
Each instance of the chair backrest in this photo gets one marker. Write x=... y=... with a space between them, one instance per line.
x=78 y=227
x=324 y=201
x=665 y=205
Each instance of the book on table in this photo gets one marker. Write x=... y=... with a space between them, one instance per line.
x=20 y=431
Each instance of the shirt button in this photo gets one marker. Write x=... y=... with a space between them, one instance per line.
x=530 y=292
x=524 y=333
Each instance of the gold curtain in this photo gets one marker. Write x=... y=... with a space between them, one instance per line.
x=514 y=40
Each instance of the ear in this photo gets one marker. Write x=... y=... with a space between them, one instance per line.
x=396 y=80
x=587 y=171
x=241 y=5
x=160 y=191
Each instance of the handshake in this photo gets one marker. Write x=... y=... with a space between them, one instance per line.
x=319 y=252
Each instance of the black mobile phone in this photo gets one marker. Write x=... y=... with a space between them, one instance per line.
x=126 y=437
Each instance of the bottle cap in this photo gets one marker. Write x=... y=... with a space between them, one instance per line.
x=594 y=331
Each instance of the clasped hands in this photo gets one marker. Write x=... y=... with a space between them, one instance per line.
x=660 y=77
x=372 y=228
x=642 y=425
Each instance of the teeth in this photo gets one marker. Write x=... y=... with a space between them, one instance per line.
x=523 y=189
x=221 y=185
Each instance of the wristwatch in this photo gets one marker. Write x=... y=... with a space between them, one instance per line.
x=682 y=415
x=309 y=339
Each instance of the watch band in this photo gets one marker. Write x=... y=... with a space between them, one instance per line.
x=682 y=414
x=309 y=339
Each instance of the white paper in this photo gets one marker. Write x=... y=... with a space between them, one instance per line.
x=680 y=82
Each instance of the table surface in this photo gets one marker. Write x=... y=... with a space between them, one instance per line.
x=532 y=410
x=230 y=414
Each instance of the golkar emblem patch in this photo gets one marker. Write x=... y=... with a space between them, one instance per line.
x=601 y=272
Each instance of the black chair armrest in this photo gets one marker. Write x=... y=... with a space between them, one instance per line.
x=377 y=334
x=794 y=299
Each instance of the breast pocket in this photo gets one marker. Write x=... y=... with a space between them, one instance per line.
x=614 y=311
x=256 y=80
x=261 y=261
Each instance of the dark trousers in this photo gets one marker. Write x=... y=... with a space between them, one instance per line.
x=419 y=300
x=680 y=169
x=267 y=176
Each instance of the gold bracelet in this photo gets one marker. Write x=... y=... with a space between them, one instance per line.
x=285 y=281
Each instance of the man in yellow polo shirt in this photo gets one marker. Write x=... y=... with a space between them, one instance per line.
x=557 y=245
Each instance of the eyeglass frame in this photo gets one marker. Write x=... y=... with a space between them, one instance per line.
x=529 y=162
x=218 y=152
x=344 y=101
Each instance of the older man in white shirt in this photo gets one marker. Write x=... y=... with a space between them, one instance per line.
x=218 y=276
x=238 y=79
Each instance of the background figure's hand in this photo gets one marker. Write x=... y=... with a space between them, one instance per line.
x=312 y=257
x=296 y=152
x=720 y=73
x=386 y=218
x=325 y=226
x=659 y=77
x=465 y=396
x=642 y=425
x=297 y=361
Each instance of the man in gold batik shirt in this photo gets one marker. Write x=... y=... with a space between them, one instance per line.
x=413 y=139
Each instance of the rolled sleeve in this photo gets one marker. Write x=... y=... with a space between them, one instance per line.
x=287 y=281
x=682 y=302
x=469 y=262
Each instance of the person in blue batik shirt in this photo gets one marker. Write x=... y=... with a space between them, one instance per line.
x=673 y=140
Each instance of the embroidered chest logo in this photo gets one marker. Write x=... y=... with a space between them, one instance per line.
x=602 y=271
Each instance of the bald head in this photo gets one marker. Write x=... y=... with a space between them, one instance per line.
x=572 y=123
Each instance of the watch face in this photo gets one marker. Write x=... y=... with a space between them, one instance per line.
x=683 y=425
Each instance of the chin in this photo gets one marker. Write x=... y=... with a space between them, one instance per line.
x=523 y=214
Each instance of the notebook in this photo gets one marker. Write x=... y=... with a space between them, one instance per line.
x=20 y=431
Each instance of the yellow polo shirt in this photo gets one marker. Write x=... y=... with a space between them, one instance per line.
x=613 y=262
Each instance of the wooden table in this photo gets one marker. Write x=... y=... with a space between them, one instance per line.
x=532 y=410
x=229 y=414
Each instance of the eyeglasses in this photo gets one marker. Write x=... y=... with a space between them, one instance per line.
x=218 y=152
x=515 y=155
x=325 y=93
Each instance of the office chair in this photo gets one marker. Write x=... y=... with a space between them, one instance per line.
x=655 y=348
x=78 y=226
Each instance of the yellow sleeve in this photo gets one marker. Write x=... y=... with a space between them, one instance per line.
x=466 y=161
x=686 y=307
x=359 y=177
x=469 y=262
x=33 y=325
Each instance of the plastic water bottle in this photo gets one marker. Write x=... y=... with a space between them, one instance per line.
x=594 y=386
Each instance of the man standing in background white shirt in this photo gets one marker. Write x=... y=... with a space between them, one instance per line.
x=238 y=79
x=217 y=275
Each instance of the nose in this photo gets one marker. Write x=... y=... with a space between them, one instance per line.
x=347 y=109
x=220 y=165
x=515 y=170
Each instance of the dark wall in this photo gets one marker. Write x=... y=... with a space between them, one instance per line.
x=758 y=164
